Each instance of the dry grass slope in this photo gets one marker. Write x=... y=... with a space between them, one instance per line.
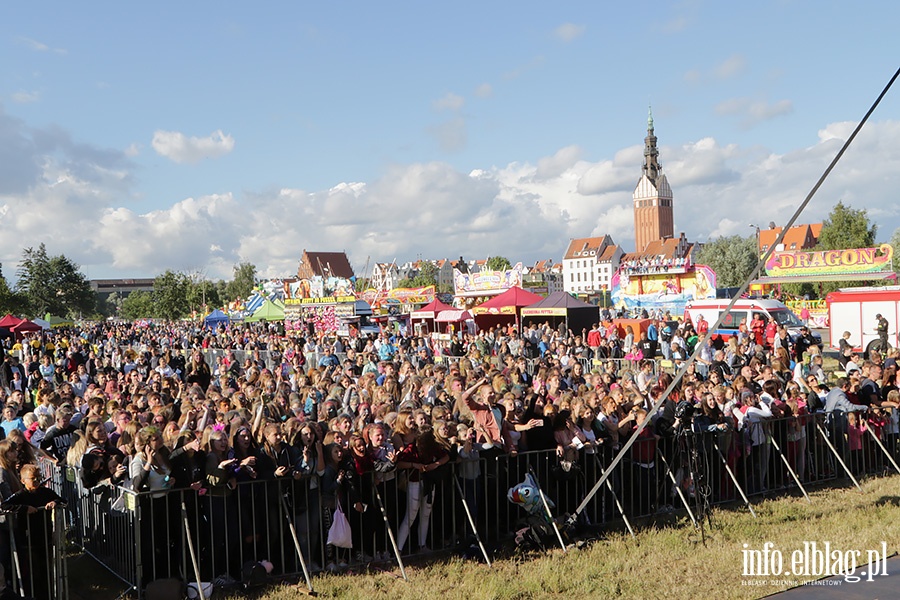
x=663 y=562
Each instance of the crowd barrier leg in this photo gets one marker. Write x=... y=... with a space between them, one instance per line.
x=390 y=533
x=734 y=480
x=296 y=540
x=17 y=580
x=562 y=544
x=837 y=455
x=60 y=575
x=465 y=504
x=619 y=506
x=190 y=544
x=883 y=449
x=790 y=469
x=677 y=488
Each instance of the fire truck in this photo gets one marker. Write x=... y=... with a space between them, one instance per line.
x=854 y=310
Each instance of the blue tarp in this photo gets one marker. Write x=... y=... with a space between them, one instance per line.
x=216 y=318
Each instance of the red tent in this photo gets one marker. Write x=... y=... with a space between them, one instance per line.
x=504 y=307
x=25 y=326
x=430 y=310
x=9 y=321
x=428 y=313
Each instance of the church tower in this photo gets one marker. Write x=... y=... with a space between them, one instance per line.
x=653 y=218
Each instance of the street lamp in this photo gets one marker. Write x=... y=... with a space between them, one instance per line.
x=756 y=227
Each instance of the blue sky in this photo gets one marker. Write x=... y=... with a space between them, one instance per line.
x=196 y=135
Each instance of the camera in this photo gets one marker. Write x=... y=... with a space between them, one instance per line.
x=684 y=411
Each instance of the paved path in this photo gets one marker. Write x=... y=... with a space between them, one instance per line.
x=834 y=588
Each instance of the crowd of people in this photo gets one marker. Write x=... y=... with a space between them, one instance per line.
x=308 y=424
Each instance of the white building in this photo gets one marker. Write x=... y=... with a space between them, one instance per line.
x=589 y=264
x=544 y=273
x=385 y=276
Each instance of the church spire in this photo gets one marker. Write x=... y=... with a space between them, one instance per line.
x=652 y=167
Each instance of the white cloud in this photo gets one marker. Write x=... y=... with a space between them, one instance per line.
x=752 y=112
x=731 y=66
x=180 y=148
x=485 y=90
x=523 y=211
x=450 y=101
x=40 y=46
x=24 y=97
x=451 y=135
x=568 y=32
x=556 y=165
x=535 y=63
x=675 y=25
x=133 y=150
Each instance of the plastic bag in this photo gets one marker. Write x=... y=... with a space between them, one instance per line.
x=339 y=534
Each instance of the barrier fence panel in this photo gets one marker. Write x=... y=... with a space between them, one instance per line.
x=141 y=536
x=32 y=552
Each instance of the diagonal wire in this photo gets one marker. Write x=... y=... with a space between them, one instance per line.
x=753 y=275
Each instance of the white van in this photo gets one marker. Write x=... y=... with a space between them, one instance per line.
x=744 y=309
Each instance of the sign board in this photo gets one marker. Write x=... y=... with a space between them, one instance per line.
x=544 y=312
x=830 y=262
x=319 y=290
x=486 y=283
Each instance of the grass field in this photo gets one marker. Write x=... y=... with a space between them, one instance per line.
x=666 y=560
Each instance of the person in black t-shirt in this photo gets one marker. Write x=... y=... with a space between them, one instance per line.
x=59 y=437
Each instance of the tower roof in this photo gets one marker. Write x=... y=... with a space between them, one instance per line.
x=652 y=167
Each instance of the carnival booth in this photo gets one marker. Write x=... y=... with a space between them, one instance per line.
x=25 y=326
x=454 y=320
x=269 y=311
x=9 y=321
x=58 y=322
x=216 y=318
x=561 y=307
x=423 y=320
x=504 y=309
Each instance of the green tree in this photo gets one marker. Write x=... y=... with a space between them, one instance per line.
x=202 y=294
x=846 y=227
x=137 y=305
x=170 y=296
x=10 y=301
x=53 y=284
x=732 y=258
x=427 y=274
x=498 y=263
x=111 y=305
x=895 y=243
x=362 y=284
x=243 y=283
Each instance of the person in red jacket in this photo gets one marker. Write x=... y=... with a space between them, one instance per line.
x=758 y=328
x=702 y=326
x=594 y=339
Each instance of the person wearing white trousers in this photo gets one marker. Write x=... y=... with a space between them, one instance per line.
x=417 y=504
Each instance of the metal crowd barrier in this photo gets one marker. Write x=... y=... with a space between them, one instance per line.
x=266 y=358
x=141 y=537
x=32 y=552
